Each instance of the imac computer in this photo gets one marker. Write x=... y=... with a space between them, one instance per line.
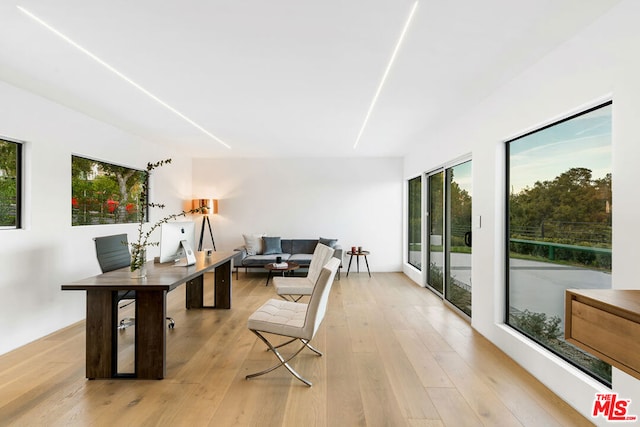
x=177 y=240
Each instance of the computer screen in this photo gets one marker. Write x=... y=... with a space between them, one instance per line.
x=172 y=234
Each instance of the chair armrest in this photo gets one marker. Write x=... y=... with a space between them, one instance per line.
x=338 y=253
x=242 y=250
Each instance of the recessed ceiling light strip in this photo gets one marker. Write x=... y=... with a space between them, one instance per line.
x=122 y=76
x=386 y=73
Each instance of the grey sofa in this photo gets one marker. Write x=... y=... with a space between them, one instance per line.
x=299 y=251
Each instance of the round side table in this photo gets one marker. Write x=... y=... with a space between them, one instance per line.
x=271 y=267
x=358 y=255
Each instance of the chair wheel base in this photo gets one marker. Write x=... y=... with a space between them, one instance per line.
x=129 y=321
x=125 y=323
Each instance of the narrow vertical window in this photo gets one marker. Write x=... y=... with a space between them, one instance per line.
x=559 y=227
x=10 y=184
x=415 y=222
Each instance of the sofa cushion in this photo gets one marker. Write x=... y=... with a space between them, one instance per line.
x=303 y=246
x=272 y=245
x=328 y=242
x=302 y=259
x=286 y=245
x=261 y=260
x=253 y=243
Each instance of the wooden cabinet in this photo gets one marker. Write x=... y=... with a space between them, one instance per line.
x=606 y=324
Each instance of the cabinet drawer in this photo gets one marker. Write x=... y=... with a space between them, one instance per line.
x=604 y=330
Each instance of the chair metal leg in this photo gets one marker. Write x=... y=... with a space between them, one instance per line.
x=306 y=343
x=291 y=297
x=312 y=348
x=285 y=343
x=283 y=361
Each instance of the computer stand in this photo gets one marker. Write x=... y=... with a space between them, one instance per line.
x=206 y=219
x=188 y=252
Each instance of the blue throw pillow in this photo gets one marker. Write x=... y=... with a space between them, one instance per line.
x=328 y=242
x=272 y=245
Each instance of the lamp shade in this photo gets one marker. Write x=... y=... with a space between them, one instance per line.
x=204 y=204
x=208 y=206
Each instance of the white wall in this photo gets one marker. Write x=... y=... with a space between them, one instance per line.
x=600 y=62
x=354 y=200
x=36 y=260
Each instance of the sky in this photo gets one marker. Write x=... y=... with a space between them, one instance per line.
x=462 y=176
x=584 y=141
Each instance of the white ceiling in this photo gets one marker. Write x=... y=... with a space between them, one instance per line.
x=280 y=77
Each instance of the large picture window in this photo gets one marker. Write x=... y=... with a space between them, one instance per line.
x=10 y=184
x=103 y=193
x=559 y=226
x=415 y=222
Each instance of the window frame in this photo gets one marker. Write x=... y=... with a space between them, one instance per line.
x=507 y=213
x=19 y=184
x=141 y=212
x=409 y=218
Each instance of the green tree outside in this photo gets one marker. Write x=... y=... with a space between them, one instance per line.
x=8 y=183
x=103 y=193
x=572 y=209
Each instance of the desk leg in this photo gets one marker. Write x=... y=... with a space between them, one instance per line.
x=151 y=335
x=195 y=293
x=358 y=263
x=222 y=289
x=223 y=285
x=349 y=266
x=100 y=327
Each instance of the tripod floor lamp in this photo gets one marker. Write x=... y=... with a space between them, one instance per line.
x=208 y=207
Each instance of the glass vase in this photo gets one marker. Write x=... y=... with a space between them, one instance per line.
x=139 y=264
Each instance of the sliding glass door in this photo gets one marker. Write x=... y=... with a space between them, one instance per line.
x=449 y=234
x=458 y=243
x=435 y=214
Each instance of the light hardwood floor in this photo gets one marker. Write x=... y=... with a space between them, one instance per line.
x=394 y=356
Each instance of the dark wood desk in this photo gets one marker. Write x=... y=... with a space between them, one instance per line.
x=150 y=311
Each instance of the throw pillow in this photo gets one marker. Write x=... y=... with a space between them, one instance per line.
x=253 y=243
x=328 y=242
x=272 y=245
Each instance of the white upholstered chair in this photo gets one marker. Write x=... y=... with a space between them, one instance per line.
x=295 y=287
x=295 y=320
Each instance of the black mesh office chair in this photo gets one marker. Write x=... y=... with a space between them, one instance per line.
x=113 y=253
